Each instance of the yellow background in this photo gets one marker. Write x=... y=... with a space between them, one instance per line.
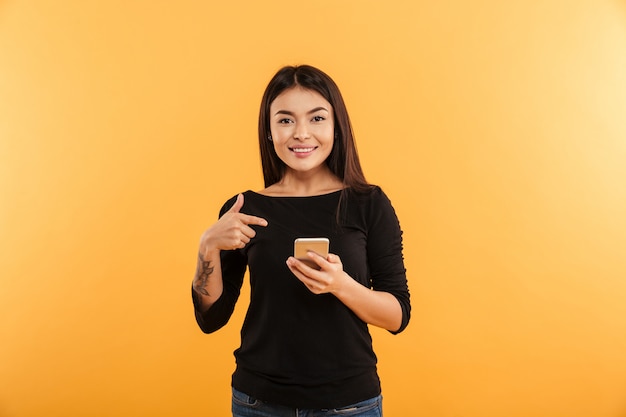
x=497 y=128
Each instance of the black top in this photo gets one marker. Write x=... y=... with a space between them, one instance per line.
x=297 y=348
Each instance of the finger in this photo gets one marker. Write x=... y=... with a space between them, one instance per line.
x=249 y=219
x=247 y=232
x=242 y=240
x=297 y=268
x=314 y=255
x=293 y=267
x=317 y=258
x=297 y=265
x=311 y=283
x=333 y=259
x=238 y=204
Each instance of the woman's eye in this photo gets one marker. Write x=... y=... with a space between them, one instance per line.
x=319 y=118
x=284 y=121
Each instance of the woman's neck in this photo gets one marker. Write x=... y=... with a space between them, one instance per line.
x=302 y=184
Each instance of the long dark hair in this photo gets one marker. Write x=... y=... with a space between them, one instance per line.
x=343 y=160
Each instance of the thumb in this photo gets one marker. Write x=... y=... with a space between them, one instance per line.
x=238 y=204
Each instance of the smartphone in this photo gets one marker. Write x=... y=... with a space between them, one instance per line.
x=302 y=245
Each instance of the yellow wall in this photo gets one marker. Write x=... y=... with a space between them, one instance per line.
x=497 y=128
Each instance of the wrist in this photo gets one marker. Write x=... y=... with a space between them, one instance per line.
x=343 y=285
x=208 y=252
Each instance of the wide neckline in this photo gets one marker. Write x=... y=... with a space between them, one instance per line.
x=295 y=196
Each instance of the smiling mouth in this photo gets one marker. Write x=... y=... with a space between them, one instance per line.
x=303 y=150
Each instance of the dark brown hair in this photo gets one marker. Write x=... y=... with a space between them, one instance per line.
x=343 y=160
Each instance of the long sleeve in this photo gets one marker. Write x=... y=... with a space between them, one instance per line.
x=233 y=270
x=233 y=265
x=298 y=348
x=384 y=253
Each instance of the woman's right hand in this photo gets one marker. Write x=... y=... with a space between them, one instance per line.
x=231 y=231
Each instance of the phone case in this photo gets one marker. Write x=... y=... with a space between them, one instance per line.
x=318 y=245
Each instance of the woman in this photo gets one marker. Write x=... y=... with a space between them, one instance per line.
x=305 y=345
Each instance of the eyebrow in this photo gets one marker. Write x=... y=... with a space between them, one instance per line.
x=309 y=112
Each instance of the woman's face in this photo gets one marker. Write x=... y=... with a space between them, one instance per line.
x=302 y=127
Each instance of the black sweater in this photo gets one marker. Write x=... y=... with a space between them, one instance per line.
x=297 y=348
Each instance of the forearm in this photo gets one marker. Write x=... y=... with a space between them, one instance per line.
x=377 y=308
x=207 y=283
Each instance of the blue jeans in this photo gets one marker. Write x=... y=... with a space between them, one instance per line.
x=246 y=406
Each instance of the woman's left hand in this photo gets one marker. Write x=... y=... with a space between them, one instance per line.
x=326 y=280
x=373 y=307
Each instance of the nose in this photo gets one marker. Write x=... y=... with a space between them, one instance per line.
x=301 y=132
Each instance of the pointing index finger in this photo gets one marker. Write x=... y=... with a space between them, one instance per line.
x=249 y=219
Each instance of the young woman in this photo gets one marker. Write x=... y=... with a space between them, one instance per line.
x=305 y=345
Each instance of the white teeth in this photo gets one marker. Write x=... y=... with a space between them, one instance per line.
x=302 y=150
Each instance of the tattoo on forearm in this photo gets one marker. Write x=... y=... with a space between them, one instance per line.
x=203 y=272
